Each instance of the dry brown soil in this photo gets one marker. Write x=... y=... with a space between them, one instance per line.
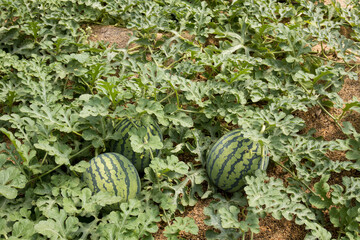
x=315 y=118
x=111 y=34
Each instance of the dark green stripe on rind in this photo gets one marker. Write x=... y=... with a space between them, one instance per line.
x=133 y=174
x=240 y=147
x=114 y=173
x=121 y=145
x=99 y=176
x=231 y=158
x=220 y=146
x=250 y=166
x=125 y=172
x=90 y=178
x=234 y=169
x=109 y=167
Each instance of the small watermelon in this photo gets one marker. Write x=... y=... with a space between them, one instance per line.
x=113 y=173
x=232 y=157
x=123 y=145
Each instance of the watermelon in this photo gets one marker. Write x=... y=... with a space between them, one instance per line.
x=233 y=157
x=123 y=145
x=113 y=173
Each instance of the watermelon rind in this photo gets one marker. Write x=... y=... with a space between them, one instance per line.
x=233 y=157
x=123 y=145
x=113 y=173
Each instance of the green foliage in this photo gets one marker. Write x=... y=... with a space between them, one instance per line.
x=11 y=176
x=197 y=68
x=282 y=202
x=224 y=216
x=133 y=221
x=174 y=184
x=180 y=224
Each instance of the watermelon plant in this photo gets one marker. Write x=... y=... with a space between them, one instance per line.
x=198 y=69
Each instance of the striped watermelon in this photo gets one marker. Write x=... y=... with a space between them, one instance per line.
x=123 y=146
x=113 y=173
x=231 y=158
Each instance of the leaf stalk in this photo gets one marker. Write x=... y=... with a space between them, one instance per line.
x=297 y=178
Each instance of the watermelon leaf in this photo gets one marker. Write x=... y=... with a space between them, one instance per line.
x=274 y=197
x=180 y=118
x=169 y=166
x=141 y=141
x=133 y=220
x=4 y=228
x=24 y=228
x=12 y=176
x=229 y=219
x=354 y=144
x=321 y=188
x=23 y=150
x=60 y=151
x=80 y=167
x=179 y=183
x=59 y=226
x=224 y=220
x=11 y=179
x=93 y=106
x=201 y=145
x=181 y=224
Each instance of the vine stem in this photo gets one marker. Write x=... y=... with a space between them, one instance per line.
x=42 y=162
x=90 y=88
x=151 y=154
x=152 y=53
x=263 y=128
x=81 y=151
x=46 y=173
x=323 y=51
x=166 y=97
x=188 y=111
x=179 y=60
x=340 y=233
x=58 y=166
x=354 y=66
x=332 y=117
x=133 y=48
x=176 y=93
x=166 y=216
x=296 y=177
x=77 y=133
x=324 y=109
